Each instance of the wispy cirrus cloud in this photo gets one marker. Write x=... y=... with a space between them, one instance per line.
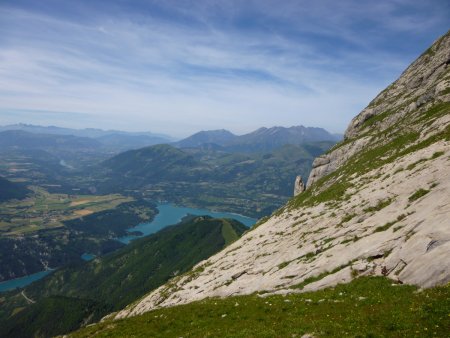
x=178 y=67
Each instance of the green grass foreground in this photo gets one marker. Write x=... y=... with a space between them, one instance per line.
x=367 y=307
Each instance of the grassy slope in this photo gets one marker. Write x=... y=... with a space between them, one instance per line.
x=386 y=147
x=400 y=137
x=113 y=281
x=367 y=307
x=51 y=316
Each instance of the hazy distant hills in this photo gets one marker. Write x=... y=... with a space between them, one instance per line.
x=265 y=139
x=113 y=141
x=23 y=139
x=220 y=137
x=154 y=163
x=110 y=143
x=87 y=132
x=252 y=184
x=122 y=142
x=215 y=169
x=262 y=139
x=251 y=174
x=106 y=140
x=164 y=162
x=47 y=159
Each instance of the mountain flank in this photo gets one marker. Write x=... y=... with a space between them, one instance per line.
x=366 y=307
x=253 y=184
x=219 y=137
x=378 y=203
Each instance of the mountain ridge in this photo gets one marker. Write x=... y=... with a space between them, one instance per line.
x=110 y=142
x=19 y=138
x=219 y=137
x=260 y=140
x=86 y=132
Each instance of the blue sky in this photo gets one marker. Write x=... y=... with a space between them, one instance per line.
x=181 y=66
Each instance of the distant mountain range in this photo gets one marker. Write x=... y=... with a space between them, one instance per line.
x=262 y=139
x=215 y=169
x=56 y=143
x=219 y=137
x=27 y=140
x=87 y=132
x=110 y=140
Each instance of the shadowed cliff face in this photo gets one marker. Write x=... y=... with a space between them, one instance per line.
x=377 y=204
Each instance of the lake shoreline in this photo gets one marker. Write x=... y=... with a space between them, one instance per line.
x=171 y=214
x=168 y=214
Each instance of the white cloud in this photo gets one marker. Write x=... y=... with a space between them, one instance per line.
x=123 y=72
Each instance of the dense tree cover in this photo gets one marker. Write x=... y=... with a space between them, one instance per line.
x=92 y=289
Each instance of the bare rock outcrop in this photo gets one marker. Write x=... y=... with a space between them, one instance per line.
x=299 y=186
x=422 y=83
x=326 y=164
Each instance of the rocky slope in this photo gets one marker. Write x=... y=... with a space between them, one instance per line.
x=378 y=203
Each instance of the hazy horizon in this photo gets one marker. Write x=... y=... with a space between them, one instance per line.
x=180 y=67
x=155 y=132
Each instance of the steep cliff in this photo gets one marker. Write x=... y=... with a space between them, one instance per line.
x=378 y=203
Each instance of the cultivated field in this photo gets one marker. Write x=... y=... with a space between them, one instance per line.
x=44 y=210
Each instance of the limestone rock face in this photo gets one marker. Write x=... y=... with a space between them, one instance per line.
x=299 y=186
x=326 y=164
x=377 y=204
x=422 y=83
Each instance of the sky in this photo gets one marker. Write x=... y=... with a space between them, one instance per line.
x=177 y=67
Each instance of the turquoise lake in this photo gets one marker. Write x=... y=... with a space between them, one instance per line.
x=87 y=257
x=169 y=214
x=22 y=281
